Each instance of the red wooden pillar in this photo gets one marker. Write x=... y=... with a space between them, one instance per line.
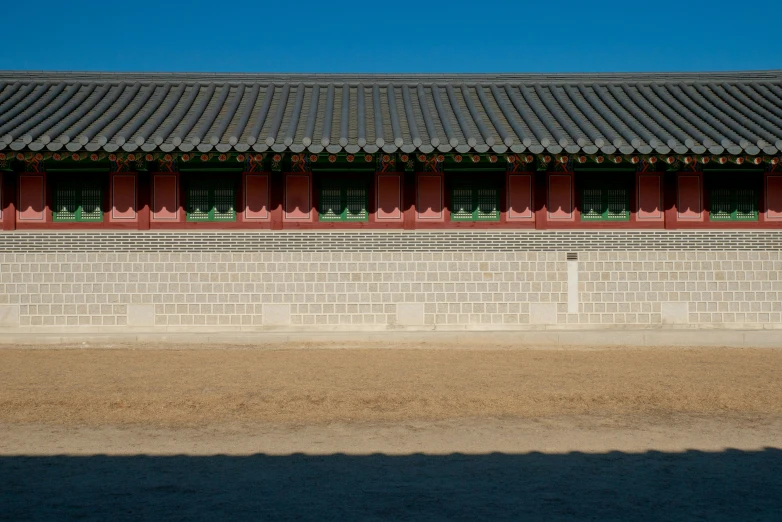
x=144 y=200
x=540 y=199
x=669 y=200
x=762 y=202
x=276 y=194
x=408 y=200
x=8 y=200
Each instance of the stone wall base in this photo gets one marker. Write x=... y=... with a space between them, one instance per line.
x=510 y=339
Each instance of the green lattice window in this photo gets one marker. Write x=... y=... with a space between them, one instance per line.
x=343 y=200
x=77 y=201
x=211 y=199
x=733 y=203
x=605 y=201
x=475 y=202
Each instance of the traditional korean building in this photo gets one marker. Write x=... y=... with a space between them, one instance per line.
x=168 y=202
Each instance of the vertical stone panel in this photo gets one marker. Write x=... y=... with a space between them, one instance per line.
x=572 y=286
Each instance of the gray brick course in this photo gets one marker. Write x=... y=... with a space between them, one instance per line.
x=118 y=246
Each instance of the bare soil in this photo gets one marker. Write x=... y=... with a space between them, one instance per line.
x=182 y=387
x=365 y=432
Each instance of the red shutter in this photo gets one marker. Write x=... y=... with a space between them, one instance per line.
x=560 y=196
x=430 y=197
x=165 y=197
x=520 y=187
x=689 y=197
x=389 y=197
x=650 y=206
x=32 y=201
x=256 y=197
x=298 y=200
x=773 y=197
x=123 y=197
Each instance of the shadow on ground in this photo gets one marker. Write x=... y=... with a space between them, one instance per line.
x=728 y=485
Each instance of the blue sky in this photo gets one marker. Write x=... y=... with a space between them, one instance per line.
x=392 y=36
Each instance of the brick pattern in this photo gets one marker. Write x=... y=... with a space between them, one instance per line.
x=492 y=289
x=718 y=287
x=390 y=241
x=321 y=288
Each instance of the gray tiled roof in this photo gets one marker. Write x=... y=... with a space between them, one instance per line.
x=646 y=113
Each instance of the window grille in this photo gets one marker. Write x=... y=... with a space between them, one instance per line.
x=592 y=203
x=211 y=199
x=342 y=200
x=475 y=202
x=461 y=204
x=488 y=204
x=605 y=201
x=77 y=201
x=733 y=203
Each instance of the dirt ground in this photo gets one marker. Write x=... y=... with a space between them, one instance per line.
x=180 y=387
x=363 y=432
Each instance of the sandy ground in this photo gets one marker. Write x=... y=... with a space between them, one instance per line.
x=370 y=433
x=177 y=388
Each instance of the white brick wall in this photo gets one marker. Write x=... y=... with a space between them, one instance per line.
x=736 y=287
x=362 y=290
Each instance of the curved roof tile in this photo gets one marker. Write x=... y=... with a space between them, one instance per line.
x=737 y=112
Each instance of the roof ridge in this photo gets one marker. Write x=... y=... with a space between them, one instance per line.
x=544 y=78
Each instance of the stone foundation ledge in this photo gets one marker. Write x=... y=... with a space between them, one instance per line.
x=619 y=338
